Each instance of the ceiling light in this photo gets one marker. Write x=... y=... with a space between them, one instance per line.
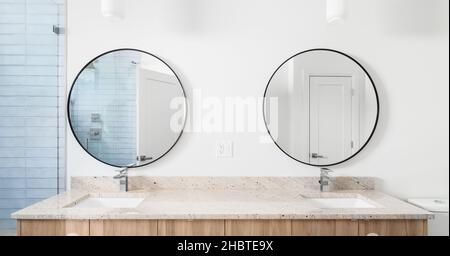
x=113 y=9
x=336 y=10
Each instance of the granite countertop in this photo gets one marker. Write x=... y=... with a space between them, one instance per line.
x=218 y=202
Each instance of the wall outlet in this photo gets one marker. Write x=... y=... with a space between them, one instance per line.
x=224 y=149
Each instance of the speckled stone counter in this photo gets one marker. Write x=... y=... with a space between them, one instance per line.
x=222 y=198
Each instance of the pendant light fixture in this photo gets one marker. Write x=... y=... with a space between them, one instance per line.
x=113 y=9
x=336 y=10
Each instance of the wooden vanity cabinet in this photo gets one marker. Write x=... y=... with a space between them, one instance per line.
x=222 y=227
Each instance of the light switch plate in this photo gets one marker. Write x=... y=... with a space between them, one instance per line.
x=224 y=149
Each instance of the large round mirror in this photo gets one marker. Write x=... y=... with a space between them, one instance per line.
x=321 y=107
x=127 y=108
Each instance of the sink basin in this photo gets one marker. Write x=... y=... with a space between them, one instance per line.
x=109 y=202
x=341 y=203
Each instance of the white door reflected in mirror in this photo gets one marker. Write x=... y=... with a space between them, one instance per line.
x=327 y=107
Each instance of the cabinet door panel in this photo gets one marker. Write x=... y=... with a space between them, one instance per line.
x=123 y=227
x=258 y=227
x=40 y=228
x=76 y=227
x=191 y=228
x=393 y=227
x=324 y=228
x=53 y=227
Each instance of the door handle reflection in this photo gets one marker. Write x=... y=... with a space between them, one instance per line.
x=143 y=158
x=316 y=156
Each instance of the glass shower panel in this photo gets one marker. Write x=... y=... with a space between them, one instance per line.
x=107 y=90
x=32 y=95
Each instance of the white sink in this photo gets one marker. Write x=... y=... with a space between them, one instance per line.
x=109 y=202
x=341 y=203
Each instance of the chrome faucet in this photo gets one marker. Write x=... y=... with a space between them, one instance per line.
x=325 y=179
x=123 y=177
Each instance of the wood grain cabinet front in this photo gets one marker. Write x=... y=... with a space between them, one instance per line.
x=123 y=228
x=324 y=228
x=221 y=227
x=258 y=228
x=53 y=228
x=191 y=228
x=393 y=227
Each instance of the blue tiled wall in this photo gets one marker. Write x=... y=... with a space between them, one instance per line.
x=31 y=104
x=108 y=89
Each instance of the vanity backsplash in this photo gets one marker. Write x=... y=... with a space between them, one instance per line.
x=145 y=183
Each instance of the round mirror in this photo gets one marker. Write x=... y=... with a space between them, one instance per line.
x=127 y=108
x=321 y=107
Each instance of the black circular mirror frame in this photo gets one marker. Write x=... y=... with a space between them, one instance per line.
x=87 y=65
x=376 y=95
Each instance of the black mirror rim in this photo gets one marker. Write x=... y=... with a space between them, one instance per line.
x=376 y=95
x=70 y=95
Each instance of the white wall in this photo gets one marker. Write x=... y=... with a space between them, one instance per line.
x=231 y=48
